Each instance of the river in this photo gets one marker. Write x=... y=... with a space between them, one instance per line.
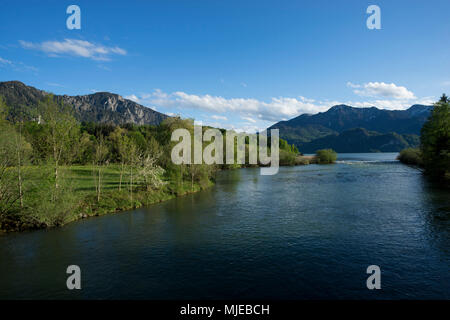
x=309 y=232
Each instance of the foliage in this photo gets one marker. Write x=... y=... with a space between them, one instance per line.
x=412 y=156
x=287 y=158
x=326 y=156
x=150 y=174
x=435 y=141
x=54 y=170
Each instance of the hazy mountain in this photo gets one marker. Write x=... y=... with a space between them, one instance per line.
x=384 y=130
x=361 y=140
x=98 y=107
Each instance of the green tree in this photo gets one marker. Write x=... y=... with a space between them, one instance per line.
x=8 y=192
x=61 y=130
x=435 y=140
x=121 y=143
x=100 y=156
x=326 y=156
x=14 y=151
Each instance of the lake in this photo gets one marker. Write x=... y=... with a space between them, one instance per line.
x=309 y=232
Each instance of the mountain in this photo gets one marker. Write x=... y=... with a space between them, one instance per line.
x=361 y=140
x=102 y=107
x=348 y=129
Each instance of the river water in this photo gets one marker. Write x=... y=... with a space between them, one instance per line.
x=309 y=232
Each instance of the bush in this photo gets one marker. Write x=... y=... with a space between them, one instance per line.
x=302 y=161
x=412 y=156
x=326 y=156
x=287 y=158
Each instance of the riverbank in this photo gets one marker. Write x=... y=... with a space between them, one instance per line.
x=80 y=199
x=291 y=226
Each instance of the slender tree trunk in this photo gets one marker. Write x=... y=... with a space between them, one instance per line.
x=20 y=187
x=121 y=174
x=56 y=158
x=19 y=164
x=56 y=175
x=131 y=183
x=99 y=184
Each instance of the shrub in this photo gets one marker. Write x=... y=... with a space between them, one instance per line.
x=412 y=156
x=326 y=156
x=287 y=158
x=300 y=160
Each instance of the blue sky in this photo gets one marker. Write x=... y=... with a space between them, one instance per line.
x=233 y=64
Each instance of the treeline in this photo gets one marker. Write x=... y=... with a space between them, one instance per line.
x=56 y=169
x=434 y=152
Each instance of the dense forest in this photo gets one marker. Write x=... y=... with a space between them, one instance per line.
x=55 y=169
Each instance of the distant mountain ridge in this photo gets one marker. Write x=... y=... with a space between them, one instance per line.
x=361 y=140
x=343 y=128
x=103 y=107
x=381 y=130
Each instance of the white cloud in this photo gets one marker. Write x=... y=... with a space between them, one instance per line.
x=133 y=97
x=273 y=110
x=352 y=85
x=17 y=66
x=258 y=113
x=381 y=89
x=54 y=84
x=74 y=47
x=216 y=117
x=249 y=119
x=399 y=104
x=4 y=61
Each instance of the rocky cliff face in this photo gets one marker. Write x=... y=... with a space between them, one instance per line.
x=102 y=107
x=112 y=108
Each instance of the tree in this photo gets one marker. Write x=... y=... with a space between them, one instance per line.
x=150 y=173
x=100 y=156
x=122 y=144
x=3 y=110
x=435 y=140
x=14 y=150
x=61 y=128
x=326 y=156
x=8 y=193
x=133 y=158
x=23 y=151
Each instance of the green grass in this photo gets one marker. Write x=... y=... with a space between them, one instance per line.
x=83 y=180
x=77 y=197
